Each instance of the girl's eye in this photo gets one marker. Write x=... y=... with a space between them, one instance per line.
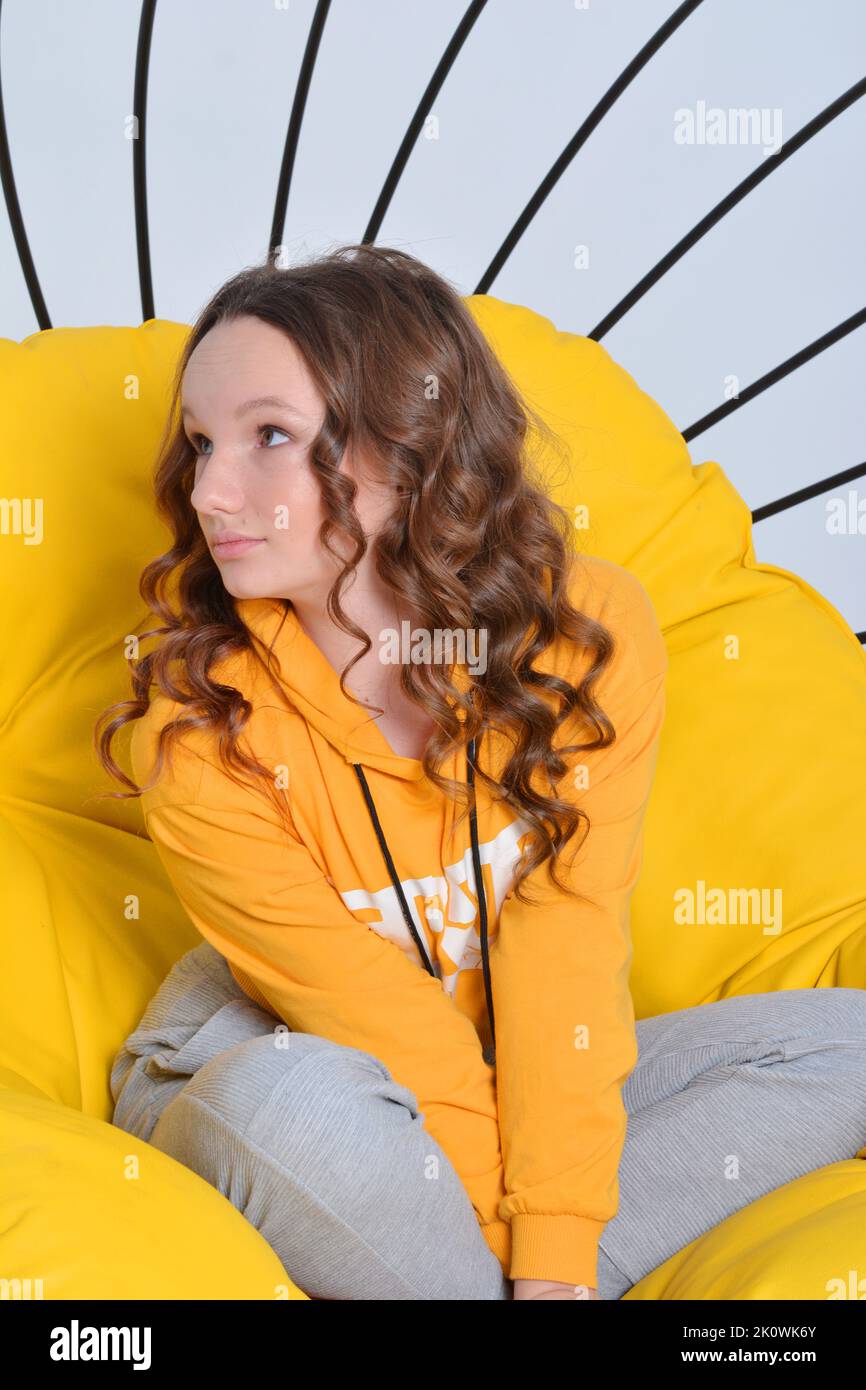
x=274 y=429
x=199 y=440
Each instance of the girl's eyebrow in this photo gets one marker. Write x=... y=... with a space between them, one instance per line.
x=256 y=404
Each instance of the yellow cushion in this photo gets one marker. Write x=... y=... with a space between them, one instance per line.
x=80 y=966
x=745 y=798
x=803 y=1240
x=91 y=1212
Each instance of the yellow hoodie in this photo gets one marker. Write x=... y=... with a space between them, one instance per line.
x=311 y=924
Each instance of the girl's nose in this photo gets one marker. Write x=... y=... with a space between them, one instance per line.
x=216 y=488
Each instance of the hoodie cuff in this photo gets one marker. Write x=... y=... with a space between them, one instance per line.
x=560 y=1248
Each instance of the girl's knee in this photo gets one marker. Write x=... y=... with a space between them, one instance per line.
x=256 y=1119
x=286 y=1073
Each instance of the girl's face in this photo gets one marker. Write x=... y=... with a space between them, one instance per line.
x=252 y=476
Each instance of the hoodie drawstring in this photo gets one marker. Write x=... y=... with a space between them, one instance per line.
x=489 y=1053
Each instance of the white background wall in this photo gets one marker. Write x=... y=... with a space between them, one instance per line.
x=784 y=267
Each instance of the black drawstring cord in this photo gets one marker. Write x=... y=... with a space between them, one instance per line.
x=404 y=906
x=489 y=1053
x=482 y=904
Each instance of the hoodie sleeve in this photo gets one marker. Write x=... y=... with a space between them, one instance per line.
x=253 y=890
x=565 y=1037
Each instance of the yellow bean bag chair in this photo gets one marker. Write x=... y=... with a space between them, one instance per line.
x=758 y=791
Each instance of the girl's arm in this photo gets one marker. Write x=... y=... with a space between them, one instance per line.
x=565 y=1035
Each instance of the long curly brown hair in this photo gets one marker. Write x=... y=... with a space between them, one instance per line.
x=473 y=542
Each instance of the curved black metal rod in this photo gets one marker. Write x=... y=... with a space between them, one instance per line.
x=139 y=165
x=770 y=378
x=296 y=118
x=594 y=118
x=700 y=229
x=413 y=130
x=805 y=494
x=16 y=221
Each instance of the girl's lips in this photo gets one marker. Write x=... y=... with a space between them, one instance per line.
x=226 y=550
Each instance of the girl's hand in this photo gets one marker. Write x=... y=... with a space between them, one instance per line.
x=537 y=1289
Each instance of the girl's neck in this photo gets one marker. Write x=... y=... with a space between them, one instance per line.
x=372 y=609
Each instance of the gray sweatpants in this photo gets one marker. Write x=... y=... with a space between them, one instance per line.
x=327 y=1155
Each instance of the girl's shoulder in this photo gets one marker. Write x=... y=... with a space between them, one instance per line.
x=183 y=762
x=612 y=595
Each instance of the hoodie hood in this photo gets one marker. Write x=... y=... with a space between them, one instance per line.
x=313 y=687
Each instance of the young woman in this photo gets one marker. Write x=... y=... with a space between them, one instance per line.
x=405 y=1048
